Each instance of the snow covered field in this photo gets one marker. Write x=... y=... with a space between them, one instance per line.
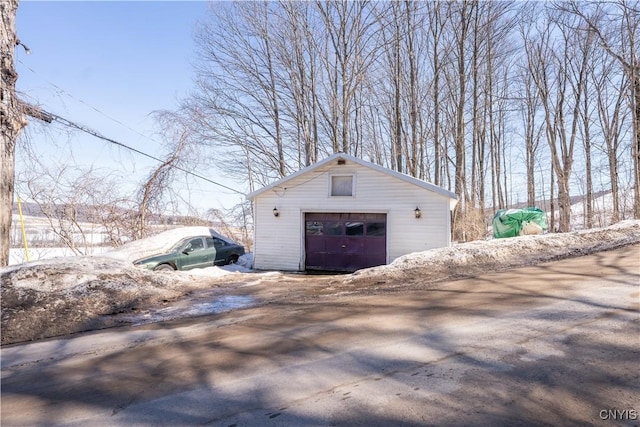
x=18 y=255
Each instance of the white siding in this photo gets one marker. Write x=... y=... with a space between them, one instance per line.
x=279 y=241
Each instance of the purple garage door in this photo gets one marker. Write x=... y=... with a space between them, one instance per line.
x=345 y=241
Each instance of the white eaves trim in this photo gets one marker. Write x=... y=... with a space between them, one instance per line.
x=404 y=177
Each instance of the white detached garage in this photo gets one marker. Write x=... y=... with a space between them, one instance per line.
x=344 y=214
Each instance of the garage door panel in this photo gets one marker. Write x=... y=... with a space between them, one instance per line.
x=344 y=241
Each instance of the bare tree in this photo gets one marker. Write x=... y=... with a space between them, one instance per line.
x=559 y=69
x=347 y=54
x=462 y=19
x=295 y=50
x=404 y=84
x=12 y=121
x=491 y=80
x=437 y=17
x=431 y=89
x=82 y=206
x=393 y=17
x=610 y=100
x=533 y=133
x=617 y=26
x=237 y=106
x=585 y=130
x=182 y=150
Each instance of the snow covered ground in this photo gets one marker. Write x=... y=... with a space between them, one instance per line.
x=602 y=210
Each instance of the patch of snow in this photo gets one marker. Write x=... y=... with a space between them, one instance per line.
x=242 y=266
x=204 y=272
x=221 y=304
x=245 y=262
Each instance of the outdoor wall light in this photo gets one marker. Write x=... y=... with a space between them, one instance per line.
x=417 y=212
x=276 y=212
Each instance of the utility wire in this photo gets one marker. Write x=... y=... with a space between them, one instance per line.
x=43 y=115
x=96 y=134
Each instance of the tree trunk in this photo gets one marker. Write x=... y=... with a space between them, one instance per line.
x=552 y=202
x=437 y=155
x=413 y=160
x=532 y=140
x=397 y=115
x=588 y=167
x=475 y=100
x=11 y=122
x=611 y=130
x=276 y=108
x=636 y=140
x=460 y=162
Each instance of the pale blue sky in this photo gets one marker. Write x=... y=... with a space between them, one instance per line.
x=125 y=59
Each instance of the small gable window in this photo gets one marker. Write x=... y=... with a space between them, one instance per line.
x=342 y=185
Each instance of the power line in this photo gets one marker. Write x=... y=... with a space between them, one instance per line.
x=96 y=134
x=43 y=115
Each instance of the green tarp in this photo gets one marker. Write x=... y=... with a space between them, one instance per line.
x=516 y=222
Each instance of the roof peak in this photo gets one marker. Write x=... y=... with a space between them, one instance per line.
x=362 y=162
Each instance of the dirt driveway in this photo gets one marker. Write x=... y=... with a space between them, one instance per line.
x=553 y=344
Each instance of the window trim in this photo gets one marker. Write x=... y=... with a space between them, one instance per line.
x=353 y=183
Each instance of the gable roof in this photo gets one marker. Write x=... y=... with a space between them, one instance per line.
x=404 y=177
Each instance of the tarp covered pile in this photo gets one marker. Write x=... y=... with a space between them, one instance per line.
x=518 y=222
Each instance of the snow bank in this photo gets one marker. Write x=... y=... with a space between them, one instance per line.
x=475 y=257
x=65 y=295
